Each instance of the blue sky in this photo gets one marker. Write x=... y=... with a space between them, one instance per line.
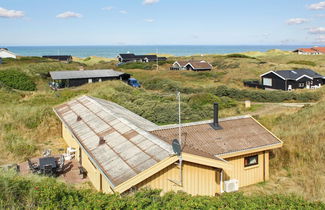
x=163 y=22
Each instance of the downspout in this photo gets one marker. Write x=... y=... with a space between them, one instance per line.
x=221 y=182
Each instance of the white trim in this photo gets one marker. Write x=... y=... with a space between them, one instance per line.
x=189 y=63
x=273 y=73
x=304 y=76
x=179 y=65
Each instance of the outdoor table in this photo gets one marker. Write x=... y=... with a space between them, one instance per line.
x=47 y=161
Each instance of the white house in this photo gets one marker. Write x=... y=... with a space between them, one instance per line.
x=5 y=53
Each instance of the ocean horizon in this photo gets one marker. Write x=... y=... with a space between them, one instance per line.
x=113 y=50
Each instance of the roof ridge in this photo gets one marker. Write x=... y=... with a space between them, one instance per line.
x=171 y=126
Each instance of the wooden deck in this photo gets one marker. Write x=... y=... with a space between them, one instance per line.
x=70 y=174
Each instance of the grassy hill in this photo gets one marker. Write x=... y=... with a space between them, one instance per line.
x=28 y=124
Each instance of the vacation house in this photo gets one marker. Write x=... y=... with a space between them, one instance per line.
x=130 y=57
x=62 y=58
x=123 y=152
x=310 y=51
x=5 y=53
x=81 y=77
x=191 y=65
x=292 y=79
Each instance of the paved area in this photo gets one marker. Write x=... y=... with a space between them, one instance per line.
x=70 y=173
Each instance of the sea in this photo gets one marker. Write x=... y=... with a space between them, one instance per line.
x=113 y=51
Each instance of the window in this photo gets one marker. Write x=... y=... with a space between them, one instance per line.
x=267 y=81
x=251 y=160
x=301 y=85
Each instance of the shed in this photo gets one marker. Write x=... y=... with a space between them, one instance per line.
x=80 y=77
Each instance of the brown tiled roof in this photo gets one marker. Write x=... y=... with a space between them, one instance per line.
x=238 y=134
x=200 y=64
x=182 y=63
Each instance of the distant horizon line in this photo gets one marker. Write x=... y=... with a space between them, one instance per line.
x=152 y=45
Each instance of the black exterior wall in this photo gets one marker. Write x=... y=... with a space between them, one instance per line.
x=79 y=82
x=277 y=82
x=281 y=84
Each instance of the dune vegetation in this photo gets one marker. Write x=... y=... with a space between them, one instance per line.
x=28 y=124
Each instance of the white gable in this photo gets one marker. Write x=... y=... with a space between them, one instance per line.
x=6 y=54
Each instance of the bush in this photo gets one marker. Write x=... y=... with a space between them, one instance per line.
x=46 y=193
x=167 y=85
x=239 y=56
x=137 y=65
x=303 y=62
x=17 y=80
x=266 y=96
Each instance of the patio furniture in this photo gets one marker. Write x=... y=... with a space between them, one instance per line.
x=71 y=152
x=48 y=170
x=61 y=164
x=48 y=165
x=82 y=172
x=33 y=167
x=47 y=153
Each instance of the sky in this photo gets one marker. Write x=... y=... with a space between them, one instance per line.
x=162 y=22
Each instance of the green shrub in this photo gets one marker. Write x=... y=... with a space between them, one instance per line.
x=18 y=145
x=239 y=56
x=303 y=62
x=17 y=80
x=46 y=193
x=167 y=85
x=265 y=96
x=201 y=99
x=138 y=65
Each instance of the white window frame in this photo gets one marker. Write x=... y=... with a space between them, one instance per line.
x=267 y=81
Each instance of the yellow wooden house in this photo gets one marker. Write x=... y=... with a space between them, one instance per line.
x=123 y=152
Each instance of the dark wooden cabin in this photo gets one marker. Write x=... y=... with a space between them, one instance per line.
x=292 y=79
x=130 y=57
x=63 y=58
x=81 y=77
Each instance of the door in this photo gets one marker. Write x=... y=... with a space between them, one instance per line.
x=308 y=84
x=289 y=87
x=90 y=80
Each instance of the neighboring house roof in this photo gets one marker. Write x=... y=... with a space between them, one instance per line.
x=59 y=57
x=7 y=51
x=237 y=134
x=311 y=50
x=127 y=56
x=199 y=65
x=150 y=57
x=295 y=74
x=131 y=56
x=319 y=49
x=194 y=64
x=181 y=63
x=125 y=150
x=84 y=74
